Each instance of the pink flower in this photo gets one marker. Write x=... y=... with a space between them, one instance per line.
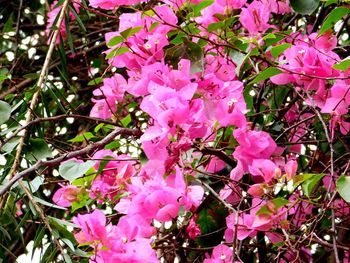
x=264 y=168
x=66 y=195
x=277 y=6
x=111 y=4
x=193 y=229
x=93 y=227
x=221 y=254
x=19 y=211
x=291 y=169
x=244 y=228
x=163 y=204
x=252 y=145
x=52 y=17
x=255 y=17
x=235 y=4
x=256 y=190
x=111 y=92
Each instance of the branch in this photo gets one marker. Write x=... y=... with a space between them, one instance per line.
x=53 y=162
x=218 y=153
x=54 y=118
x=36 y=95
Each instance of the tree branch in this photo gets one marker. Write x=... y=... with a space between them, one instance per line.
x=53 y=162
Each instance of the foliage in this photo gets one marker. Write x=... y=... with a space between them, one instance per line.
x=148 y=131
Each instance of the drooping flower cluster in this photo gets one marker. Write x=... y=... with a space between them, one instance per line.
x=194 y=100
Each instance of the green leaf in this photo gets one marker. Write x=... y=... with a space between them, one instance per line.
x=197 y=8
x=269 y=36
x=73 y=169
x=153 y=26
x=39 y=235
x=98 y=127
x=278 y=50
x=342 y=65
x=84 y=137
x=66 y=257
x=31 y=76
x=38 y=150
x=333 y=17
x=126 y=120
x=8 y=26
x=43 y=202
x=279 y=202
x=214 y=26
x=343 y=187
x=304 y=7
x=77 y=18
x=95 y=81
x=63 y=222
x=34 y=184
x=5 y=111
x=130 y=31
x=264 y=210
x=310 y=183
x=115 y=41
x=117 y=52
x=10 y=145
x=266 y=74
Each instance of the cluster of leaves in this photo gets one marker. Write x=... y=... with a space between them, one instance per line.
x=212 y=131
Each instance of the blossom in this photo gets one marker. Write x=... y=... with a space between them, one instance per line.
x=52 y=19
x=111 y=4
x=264 y=168
x=66 y=195
x=193 y=229
x=221 y=253
x=255 y=17
x=93 y=227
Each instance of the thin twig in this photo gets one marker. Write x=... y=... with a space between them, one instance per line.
x=54 y=118
x=53 y=162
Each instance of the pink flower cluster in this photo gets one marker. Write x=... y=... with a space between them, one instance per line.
x=187 y=109
x=53 y=16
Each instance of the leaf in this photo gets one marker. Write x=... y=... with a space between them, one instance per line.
x=8 y=26
x=72 y=169
x=35 y=184
x=117 y=52
x=215 y=26
x=43 y=202
x=153 y=26
x=115 y=41
x=310 y=183
x=333 y=17
x=343 y=187
x=266 y=74
x=66 y=257
x=342 y=65
x=10 y=145
x=279 y=202
x=77 y=18
x=63 y=222
x=278 y=50
x=38 y=150
x=126 y=120
x=197 y=8
x=68 y=243
x=83 y=137
x=130 y=31
x=5 y=111
x=95 y=81
x=31 y=76
x=304 y=7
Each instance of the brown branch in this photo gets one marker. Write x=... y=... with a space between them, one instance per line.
x=53 y=162
x=55 y=118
